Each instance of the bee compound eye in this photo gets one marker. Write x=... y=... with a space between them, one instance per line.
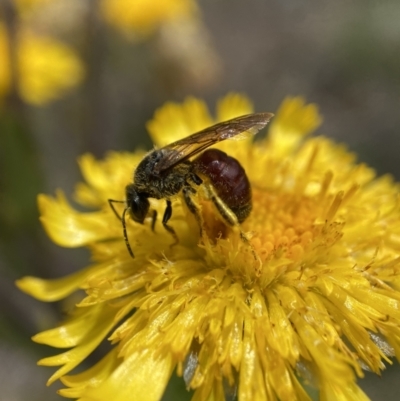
x=137 y=203
x=139 y=208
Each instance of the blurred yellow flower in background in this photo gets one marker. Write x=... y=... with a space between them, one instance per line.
x=141 y=18
x=25 y=6
x=45 y=68
x=319 y=304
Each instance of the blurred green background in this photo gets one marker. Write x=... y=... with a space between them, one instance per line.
x=85 y=75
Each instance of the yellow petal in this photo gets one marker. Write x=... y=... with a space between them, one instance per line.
x=330 y=363
x=283 y=338
x=233 y=105
x=76 y=328
x=211 y=390
x=70 y=228
x=142 y=376
x=105 y=178
x=70 y=359
x=349 y=392
x=173 y=122
x=91 y=377
x=53 y=290
x=292 y=122
x=252 y=386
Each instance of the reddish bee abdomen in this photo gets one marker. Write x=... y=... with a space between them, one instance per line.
x=229 y=180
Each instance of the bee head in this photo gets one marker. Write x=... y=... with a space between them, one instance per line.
x=137 y=203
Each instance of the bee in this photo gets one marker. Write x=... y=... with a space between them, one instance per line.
x=165 y=172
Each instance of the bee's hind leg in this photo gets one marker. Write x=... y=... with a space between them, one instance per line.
x=188 y=191
x=229 y=217
x=166 y=217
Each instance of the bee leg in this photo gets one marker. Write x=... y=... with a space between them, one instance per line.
x=166 y=217
x=153 y=220
x=228 y=215
x=196 y=179
x=187 y=192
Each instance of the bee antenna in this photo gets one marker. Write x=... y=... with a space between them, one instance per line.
x=128 y=245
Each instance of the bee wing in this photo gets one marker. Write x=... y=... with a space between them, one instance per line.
x=187 y=147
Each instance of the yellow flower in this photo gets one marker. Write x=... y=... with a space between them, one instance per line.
x=142 y=17
x=45 y=67
x=319 y=304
